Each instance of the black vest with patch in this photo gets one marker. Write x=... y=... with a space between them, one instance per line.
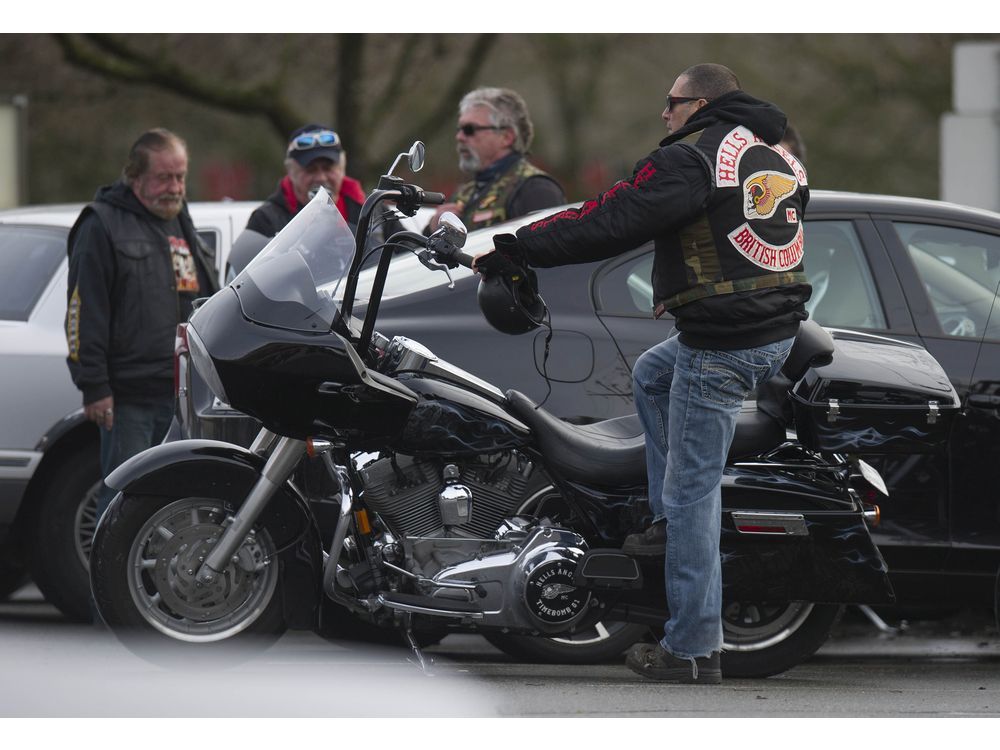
x=750 y=235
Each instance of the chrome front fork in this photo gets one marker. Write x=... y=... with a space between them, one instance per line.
x=280 y=464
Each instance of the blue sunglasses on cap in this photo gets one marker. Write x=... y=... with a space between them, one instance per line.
x=320 y=138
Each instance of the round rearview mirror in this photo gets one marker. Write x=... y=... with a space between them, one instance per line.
x=454 y=229
x=416 y=156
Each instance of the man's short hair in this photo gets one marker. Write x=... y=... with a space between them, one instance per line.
x=157 y=139
x=507 y=110
x=710 y=80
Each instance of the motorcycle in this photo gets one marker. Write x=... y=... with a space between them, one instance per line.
x=458 y=507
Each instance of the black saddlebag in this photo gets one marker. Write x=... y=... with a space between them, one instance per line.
x=877 y=396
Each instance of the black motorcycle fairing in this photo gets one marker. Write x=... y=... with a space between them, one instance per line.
x=450 y=420
x=227 y=472
x=296 y=383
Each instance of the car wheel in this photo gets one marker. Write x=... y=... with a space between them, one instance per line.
x=62 y=531
x=12 y=577
x=760 y=640
x=602 y=642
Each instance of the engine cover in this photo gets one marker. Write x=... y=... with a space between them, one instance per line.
x=550 y=594
x=524 y=581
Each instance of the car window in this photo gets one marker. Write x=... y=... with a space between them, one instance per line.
x=960 y=269
x=627 y=288
x=210 y=237
x=28 y=258
x=844 y=293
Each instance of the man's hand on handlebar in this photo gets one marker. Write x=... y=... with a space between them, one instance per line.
x=506 y=257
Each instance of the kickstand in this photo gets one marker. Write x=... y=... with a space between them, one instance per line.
x=878 y=622
x=422 y=662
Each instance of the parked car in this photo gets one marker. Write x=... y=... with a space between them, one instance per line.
x=917 y=270
x=48 y=451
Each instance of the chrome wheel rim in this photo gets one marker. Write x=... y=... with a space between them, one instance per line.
x=595 y=634
x=85 y=524
x=751 y=626
x=164 y=561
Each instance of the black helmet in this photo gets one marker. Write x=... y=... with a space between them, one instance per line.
x=512 y=307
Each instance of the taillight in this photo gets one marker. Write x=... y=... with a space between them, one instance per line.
x=180 y=350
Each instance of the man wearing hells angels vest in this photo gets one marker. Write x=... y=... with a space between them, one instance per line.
x=724 y=205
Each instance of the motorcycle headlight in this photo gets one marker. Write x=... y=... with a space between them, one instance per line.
x=204 y=365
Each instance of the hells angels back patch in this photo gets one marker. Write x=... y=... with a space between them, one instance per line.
x=763 y=193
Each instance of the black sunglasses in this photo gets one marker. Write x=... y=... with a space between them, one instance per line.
x=672 y=100
x=469 y=130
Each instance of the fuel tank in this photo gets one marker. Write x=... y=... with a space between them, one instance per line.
x=453 y=421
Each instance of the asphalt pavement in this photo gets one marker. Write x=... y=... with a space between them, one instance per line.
x=52 y=668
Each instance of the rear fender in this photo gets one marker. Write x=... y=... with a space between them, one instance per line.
x=226 y=472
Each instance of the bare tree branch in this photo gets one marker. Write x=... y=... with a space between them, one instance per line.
x=397 y=79
x=460 y=84
x=114 y=59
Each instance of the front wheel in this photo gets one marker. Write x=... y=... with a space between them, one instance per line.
x=145 y=559
x=760 y=640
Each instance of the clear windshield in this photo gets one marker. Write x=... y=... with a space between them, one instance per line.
x=294 y=280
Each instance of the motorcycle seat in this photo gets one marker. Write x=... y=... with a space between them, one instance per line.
x=613 y=452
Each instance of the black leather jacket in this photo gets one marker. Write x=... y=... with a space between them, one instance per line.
x=123 y=304
x=676 y=196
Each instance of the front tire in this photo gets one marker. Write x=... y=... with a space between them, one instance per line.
x=12 y=577
x=61 y=531
x=145 y=558
x=760 y=640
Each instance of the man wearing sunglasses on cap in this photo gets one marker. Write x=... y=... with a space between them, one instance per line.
x=493 y=136
x=723 y=204
x=314 y=158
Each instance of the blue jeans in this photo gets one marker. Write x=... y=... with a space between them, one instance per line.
x=136 y=428
x=688 y=401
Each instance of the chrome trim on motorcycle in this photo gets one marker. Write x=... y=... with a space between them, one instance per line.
x=419 y=610
x=343 y=522
x=279 y=466
x=474 y=587
x=263 y=442
x=766 y=523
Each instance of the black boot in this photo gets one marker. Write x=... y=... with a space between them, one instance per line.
x=650 y=543
x=652 y=661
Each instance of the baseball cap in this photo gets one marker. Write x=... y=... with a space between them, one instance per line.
x=311 y=142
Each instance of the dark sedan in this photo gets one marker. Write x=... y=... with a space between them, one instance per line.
x=917 y=270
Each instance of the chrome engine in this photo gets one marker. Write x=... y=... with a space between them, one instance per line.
x=425 y=498
x=454 y=537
